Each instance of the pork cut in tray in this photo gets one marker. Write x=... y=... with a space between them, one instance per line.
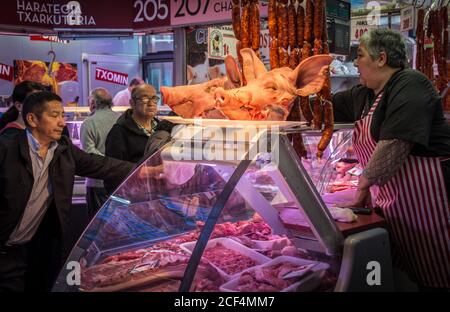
x=270 y=278
x=229 y=261
x=148 y=267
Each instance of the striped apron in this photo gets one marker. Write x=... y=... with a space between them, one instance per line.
x=415 y=205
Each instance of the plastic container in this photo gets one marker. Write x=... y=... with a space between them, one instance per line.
x=232 y=245
x=280 y=243
x=308 y=283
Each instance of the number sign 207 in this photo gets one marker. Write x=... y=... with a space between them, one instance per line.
x=191 y=7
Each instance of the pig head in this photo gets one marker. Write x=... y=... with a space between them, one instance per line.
x=198 y=100
x=268 y=95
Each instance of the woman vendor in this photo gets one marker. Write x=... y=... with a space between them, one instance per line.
x=402 y=140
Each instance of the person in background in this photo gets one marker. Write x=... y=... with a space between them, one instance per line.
x=129 y=135
x=12 y=121
x=37 y=171
x=93 y=133
x=122 y=98
x=161 y=136
x=402 y=140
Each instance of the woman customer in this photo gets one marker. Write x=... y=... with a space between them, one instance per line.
x=12 y=120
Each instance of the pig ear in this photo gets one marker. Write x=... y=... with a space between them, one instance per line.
x=233 y=72
x=253 y=67
x=189 y=73
x=310 y=74
x=213 y=71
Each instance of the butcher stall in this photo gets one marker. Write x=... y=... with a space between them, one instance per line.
x=229 y=206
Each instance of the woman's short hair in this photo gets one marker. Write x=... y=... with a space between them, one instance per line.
x=19 y=94
x=387 y=41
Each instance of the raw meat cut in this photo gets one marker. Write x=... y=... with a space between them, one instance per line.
x=269 y=278
x=229 y=261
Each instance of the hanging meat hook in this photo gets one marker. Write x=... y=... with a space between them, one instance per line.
x=51 y=52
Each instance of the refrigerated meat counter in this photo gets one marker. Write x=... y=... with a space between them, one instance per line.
x=228 y=206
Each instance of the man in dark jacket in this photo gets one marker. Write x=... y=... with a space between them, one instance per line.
x=161 y=136
x=128 y=137
x=37 y=169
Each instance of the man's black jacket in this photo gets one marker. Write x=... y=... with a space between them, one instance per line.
x=16 y=179
x=125 y=141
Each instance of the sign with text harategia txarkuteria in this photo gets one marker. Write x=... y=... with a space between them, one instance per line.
x=124 y=15
x=67 y=14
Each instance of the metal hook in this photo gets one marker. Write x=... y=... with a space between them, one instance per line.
x=418 y=6
x=52 y=61
x=434 y=5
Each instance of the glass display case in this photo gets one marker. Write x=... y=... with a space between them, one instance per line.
x=74 y=119
x=228 y=206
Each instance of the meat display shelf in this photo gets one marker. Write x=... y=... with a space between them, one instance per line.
x=231 y=180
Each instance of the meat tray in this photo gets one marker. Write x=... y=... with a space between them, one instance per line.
x=232 y=245
x=308 y=283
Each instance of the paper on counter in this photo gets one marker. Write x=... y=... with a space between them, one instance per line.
x=342 y=214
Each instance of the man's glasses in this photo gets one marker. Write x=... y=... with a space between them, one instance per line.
x=146 y=99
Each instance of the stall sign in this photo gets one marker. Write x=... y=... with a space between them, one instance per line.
x=6 y=72
x=197 y=12
x=407 y=19
x=111 y=76
x=360 y=25
x=151 y=13
x=221 y=42
x=67 y=14
x=264 y=47
x=48 y=38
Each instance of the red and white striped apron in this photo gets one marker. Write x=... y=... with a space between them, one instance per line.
x=415 y=205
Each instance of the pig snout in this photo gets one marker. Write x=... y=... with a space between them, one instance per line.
x=174 y=96
x=165 y=95
x=235 y=97
x=221 y=97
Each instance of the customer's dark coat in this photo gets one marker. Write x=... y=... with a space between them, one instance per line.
x=126 y=141
x=16 y=180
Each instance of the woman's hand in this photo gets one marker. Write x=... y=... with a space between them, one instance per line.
x=362 y=197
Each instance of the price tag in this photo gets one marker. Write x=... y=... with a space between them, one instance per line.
x=361 y=25
x=407 y=18
x=355 y=171
x=428 y=44
x=359 y=32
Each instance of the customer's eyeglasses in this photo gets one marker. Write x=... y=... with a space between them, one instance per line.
x=146 y=99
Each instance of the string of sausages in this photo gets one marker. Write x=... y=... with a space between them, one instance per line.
x=432 y=45
x=323 y=99
x=297 y=30
x=246 y=26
